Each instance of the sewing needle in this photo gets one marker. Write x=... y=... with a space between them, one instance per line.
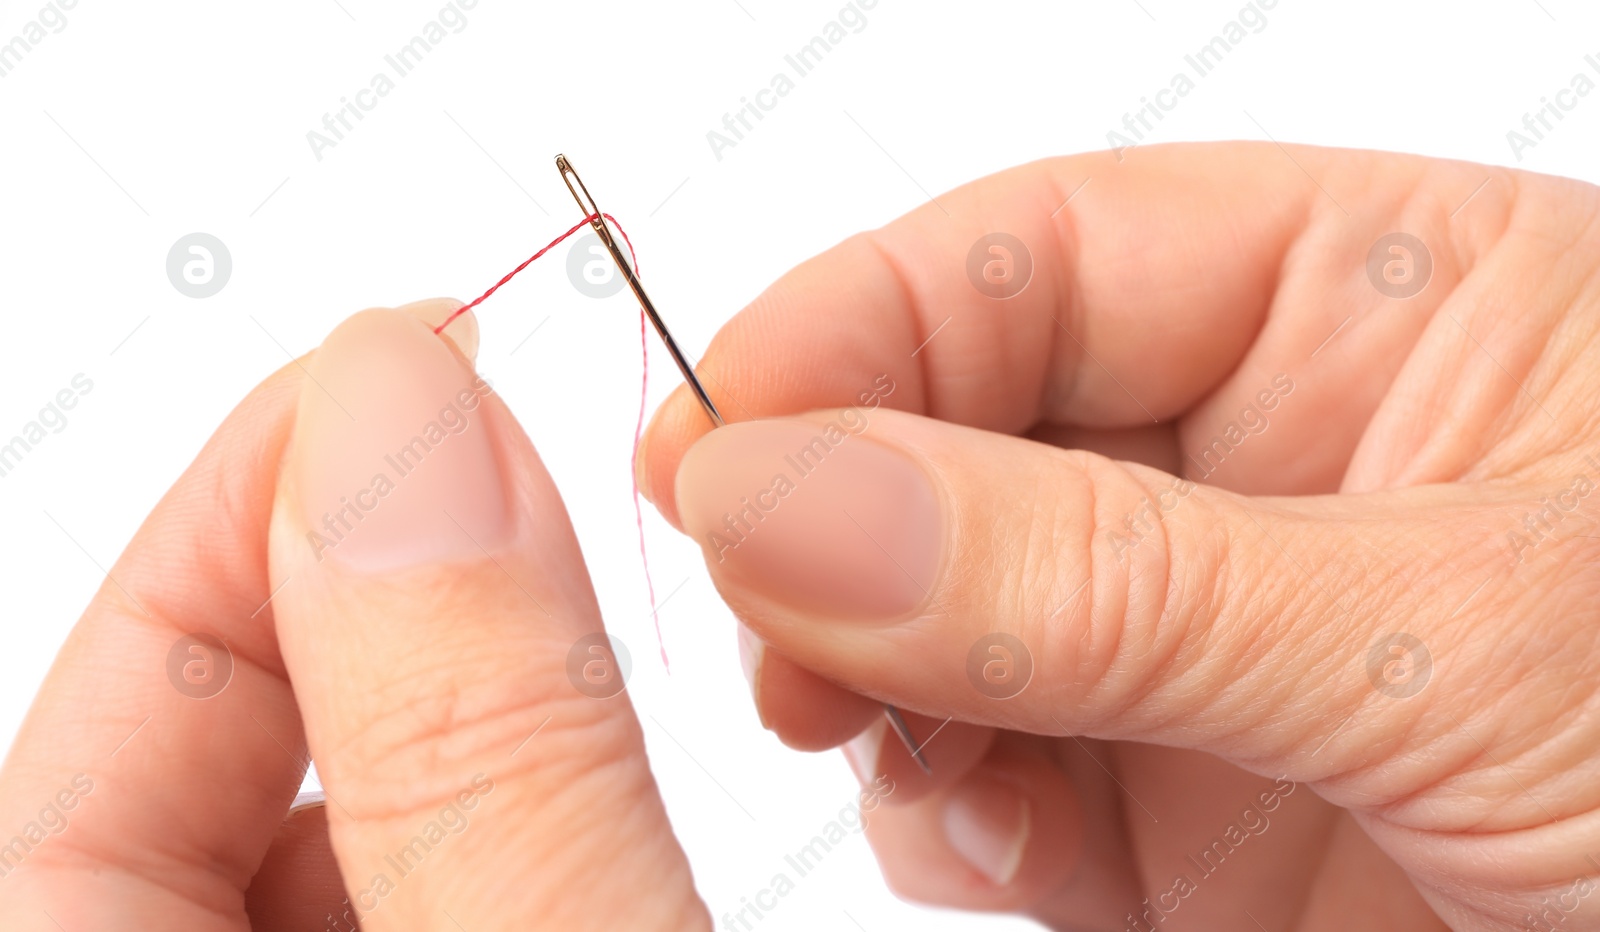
x=602 y=229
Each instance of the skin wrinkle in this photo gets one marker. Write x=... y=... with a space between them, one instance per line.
x=575 y=828
x=421 y=723
x=1399 y=830
x=1206 y=605
x=1472 y=231
x=1515 y=414
x=1051 y=650
x=1107 y=634
x=1518 y=410
x=1446 y=744
x=1379 y=758
x=1589 y=423
x=158 y=877
x=1026 y=557
x=1285 y=301
x=1154 y=617
x=1271 y=606
x=908 y=296
x=1247 y=706
x=1546 y=360
x=1368 y=710
x=425 y=806
x=1526 y=747
x=1544 y=764
x=411 y=738
x=1340 y=633
x=1165 y=612
x=1454 y=880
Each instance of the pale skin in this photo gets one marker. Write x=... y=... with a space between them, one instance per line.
x=1228 y=649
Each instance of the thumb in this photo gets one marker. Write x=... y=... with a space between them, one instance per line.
x=963 y=573
x=435 y=617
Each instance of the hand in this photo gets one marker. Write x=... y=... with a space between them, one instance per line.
x=1301 y=562
x=402 y=608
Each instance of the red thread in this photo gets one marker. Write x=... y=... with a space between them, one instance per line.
x=514 y=272
x=644 y=388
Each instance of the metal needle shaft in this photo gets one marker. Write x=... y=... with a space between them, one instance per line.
x=580 y=193
x=586 y=202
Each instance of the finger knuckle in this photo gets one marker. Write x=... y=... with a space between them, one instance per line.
x=416 y=740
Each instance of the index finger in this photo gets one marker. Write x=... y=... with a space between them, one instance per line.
x=1149 y=281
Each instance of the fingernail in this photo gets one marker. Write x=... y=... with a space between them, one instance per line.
x=987 y=823
x=751 y=650
x=462 y=330
x=864 y=750
x=392 y=459
x=820 y=516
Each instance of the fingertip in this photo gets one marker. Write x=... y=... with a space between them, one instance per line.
x=386 y=467
x=805 y=711
x=298 y=882
x=676 y=426
x=1002 y=838
x=460 y=330
x=987 y=823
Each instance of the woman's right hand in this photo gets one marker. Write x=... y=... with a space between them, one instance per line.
x=1292 y=529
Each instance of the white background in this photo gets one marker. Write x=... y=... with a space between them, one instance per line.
x=140 y=123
